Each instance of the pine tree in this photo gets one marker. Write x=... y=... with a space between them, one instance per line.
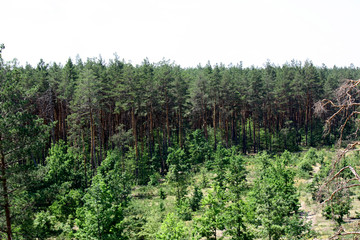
x=20 y=143
x=276 y=202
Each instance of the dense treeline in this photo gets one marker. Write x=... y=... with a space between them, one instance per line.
x=91 y=104
x=74 y=139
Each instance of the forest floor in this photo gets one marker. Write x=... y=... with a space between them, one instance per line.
x=153 y=209
x=323 y=227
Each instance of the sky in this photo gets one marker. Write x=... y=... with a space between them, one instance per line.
x=188 y=32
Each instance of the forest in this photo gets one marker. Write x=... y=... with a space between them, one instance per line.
x=101 y=149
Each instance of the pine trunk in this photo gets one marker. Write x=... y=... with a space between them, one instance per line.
x=92 y=140
x=254 y=134
x=5 y=194
x=214 y=125
x=133 y=124
x=180 y=131
x=243 y=125
x=167 y=125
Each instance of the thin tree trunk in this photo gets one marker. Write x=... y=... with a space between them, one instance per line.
x=133 y=124
x=148 y=132
x=250 y=134
x=5 y=194
x=204 y=122
x=243 y=126
x=180 y=126
x=214 y=125
x=254 y=134
x=92 y=155
x=64 y=122
x=164 y=149
x=233 y=129
x=52 y=114
x=266 y=130
x=162 y=169
x=311 y=127
x=167 y=124
x=227 y=132
x=306 y=127
x=83 y=142
x=59 y=124
x=259 y=136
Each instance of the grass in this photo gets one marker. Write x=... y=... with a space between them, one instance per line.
x=147 y=201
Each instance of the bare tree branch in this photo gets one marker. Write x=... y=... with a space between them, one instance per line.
x=345 y=109
x=338 y=190
x=343 y=232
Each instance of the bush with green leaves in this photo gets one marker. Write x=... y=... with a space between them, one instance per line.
x=183 y=209
x=162 y=194
x=340 y=197
x=177 y=176
x=236 y=219
x=310 y=158
x=304 y=169
x=154 y=179
x=197 y=148
x=337 y=209
x=220 y=162
x=44 y=225
x=213 y=218
x=102 y=216
x=172 y=228
x=196 y=199
x=204 y=181
x=275 y=201
x=58 y=192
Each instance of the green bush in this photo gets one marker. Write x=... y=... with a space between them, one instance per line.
x=154 y=179
x=196 y=199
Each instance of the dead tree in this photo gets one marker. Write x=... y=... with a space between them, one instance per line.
x=345 y=110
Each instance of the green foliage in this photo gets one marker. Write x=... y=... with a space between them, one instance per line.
x=204 y=181
x=178 y=169
x=312 y=157
x=183 y=209
x=337 y=209
x=236 y=175
x=236 y=220
x=341 y=201
x=162 y=194
x=64 y=208
x=102 y=215
x=196 y=199
x=235 y=214
x=154 y=179
x=116 y=125
x=305 y=167
x=197 y=147
x=44 y=225
x=172 y=228
x=318 y=180
x=275 y=201
x=22 y=140
x=213 y=218
x=62 y=166
x=118 y=181
x=221 y=160
x=60 y=191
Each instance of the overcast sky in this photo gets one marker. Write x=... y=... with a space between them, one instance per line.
x=188 y=32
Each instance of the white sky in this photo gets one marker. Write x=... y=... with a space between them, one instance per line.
x=188 y=32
